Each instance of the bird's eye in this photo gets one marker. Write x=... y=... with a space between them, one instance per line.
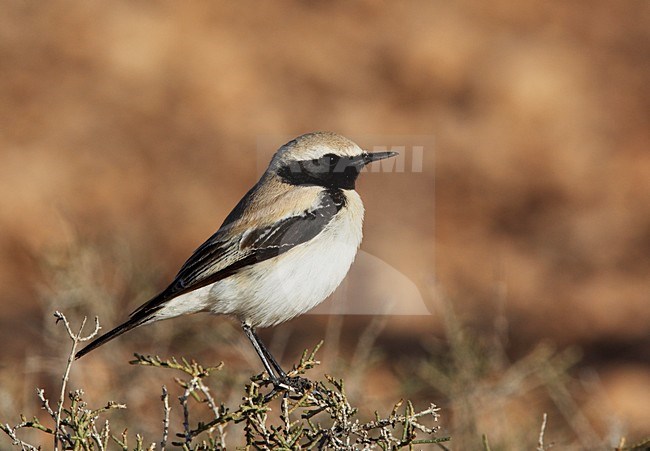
x=330 y=159
x=325 y=164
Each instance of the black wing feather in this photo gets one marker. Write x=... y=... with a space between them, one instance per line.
x=255 y=246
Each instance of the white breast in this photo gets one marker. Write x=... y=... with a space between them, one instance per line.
x=283 y=287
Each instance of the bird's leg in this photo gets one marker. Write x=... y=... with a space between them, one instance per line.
x=276 y=366
x=263 y=354
x=276 y=373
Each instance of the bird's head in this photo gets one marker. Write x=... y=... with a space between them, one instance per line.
x=322 y=158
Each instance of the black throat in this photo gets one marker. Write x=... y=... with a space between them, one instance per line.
x=330 y=171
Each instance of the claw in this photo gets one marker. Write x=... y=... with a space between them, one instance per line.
x=295 y=385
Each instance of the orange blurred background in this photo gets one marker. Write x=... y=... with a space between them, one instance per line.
x=140 y=123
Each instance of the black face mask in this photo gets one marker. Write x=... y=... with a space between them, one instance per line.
x=330 y=171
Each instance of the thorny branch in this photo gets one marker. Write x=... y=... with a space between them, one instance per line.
x=316 y=416
x=76 y=339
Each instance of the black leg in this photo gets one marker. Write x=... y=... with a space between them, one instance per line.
x=270 y=364
x=276 y=373
x=276 y=366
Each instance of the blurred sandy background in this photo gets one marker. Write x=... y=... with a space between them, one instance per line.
x=137 y=126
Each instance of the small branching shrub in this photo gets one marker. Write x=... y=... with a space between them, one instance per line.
x=320 y=417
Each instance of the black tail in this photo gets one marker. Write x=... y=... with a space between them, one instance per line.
x=108 y=336
x=142 y=315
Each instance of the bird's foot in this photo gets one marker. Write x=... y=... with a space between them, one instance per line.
x=290 y=385
x=297 y=383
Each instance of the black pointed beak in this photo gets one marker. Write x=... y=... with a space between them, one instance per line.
x=368 y=157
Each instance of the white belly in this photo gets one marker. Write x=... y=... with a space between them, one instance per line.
x=278 y=289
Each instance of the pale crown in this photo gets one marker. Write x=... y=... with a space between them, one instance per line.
x=312 y=146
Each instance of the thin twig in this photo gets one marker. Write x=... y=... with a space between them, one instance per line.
x=45 y=403
x=76 y=339
x=486 y=444
x=97 y=437
x=540 y=440
x=187 y=432
x=66 y=375
x=11 y=432
x=166 y=410
x=215 y=410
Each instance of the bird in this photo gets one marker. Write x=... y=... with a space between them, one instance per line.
x=283 y=249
